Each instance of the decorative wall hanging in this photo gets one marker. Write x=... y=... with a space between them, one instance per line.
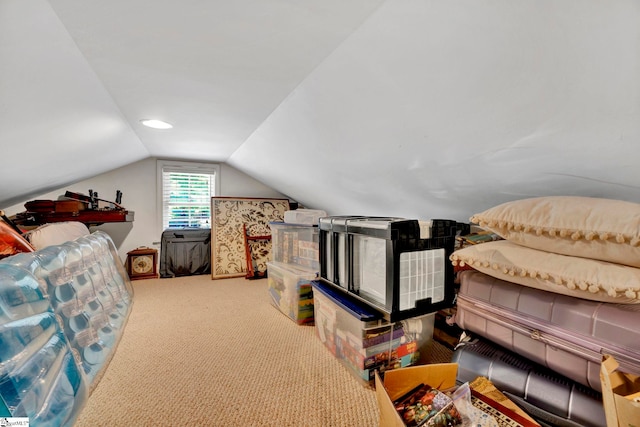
x=229 y=218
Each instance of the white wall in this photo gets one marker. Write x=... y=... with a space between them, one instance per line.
x=137 y=182
x=445 y=108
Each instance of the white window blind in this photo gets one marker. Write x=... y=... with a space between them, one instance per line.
x=186 y=194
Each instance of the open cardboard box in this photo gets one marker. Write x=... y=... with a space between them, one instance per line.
x=619 y=393
x=441 y=376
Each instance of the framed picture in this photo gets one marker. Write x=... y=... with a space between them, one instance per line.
x=230 y=217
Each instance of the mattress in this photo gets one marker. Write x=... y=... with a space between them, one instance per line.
x=547 y=397
x=566 y=334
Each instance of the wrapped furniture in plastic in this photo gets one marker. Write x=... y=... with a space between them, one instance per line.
x=62 y=312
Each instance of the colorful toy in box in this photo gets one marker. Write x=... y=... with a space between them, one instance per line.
x=368 y=375
x=362 y=340
x=427 y=406
x=366 y=338
x=379 y=355
x=295 y=244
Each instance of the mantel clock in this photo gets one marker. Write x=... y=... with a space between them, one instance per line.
x=142 y=263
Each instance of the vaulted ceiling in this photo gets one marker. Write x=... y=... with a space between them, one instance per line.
x=392 y=107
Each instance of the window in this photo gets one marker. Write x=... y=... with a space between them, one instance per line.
x=185 y=191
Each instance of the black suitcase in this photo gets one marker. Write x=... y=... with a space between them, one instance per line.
x=545 y=395
x=185 y=252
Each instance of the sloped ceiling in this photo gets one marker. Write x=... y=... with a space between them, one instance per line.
x=401 y=107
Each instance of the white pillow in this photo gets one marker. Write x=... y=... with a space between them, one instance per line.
x=56 y=233
x=603 y=229
x=574 y=276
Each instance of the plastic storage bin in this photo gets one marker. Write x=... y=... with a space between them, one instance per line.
x=304 y=216
x=295 y=244
x=291 y=292
x=398 y=266
x=362 y=339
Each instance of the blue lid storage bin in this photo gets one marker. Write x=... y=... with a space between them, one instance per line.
x=361 y=339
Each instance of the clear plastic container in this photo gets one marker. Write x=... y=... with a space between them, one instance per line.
x=362 y=339
x=295 y=244
x=290 y=290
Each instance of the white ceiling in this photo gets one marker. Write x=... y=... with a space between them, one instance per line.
x=400 y=107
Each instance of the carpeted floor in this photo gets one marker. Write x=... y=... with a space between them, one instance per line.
x=202 y=352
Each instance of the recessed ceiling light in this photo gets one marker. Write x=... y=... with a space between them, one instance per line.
x=156 y=124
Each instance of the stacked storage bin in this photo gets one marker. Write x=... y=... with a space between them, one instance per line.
x=381 y=282
x=361 y=339
x=294 y=249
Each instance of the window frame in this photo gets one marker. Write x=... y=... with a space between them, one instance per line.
x=184 y=167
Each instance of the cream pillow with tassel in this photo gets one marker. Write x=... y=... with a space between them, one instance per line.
x=603 y=229
x=574 y=276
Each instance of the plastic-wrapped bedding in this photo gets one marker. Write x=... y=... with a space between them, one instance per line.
x=62 y=312
x=39 y=376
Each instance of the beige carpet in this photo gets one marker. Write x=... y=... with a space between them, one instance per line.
x=202 y=352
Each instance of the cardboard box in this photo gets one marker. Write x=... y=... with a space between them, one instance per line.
x=396 y=382
x=619 y=391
